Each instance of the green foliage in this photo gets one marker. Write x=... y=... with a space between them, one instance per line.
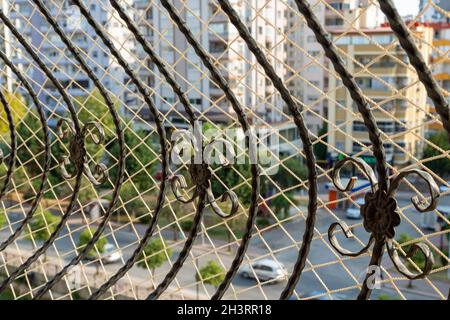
x=282 y=204
x=262 y=222
x=2 y=218
x=284 y=178
x=418 y=258
x=93 y=108
x=212 y=273
x=154 y=255
x=86 y=236
x=385 y=296
x=141 y=151
x=18 y=110
x=231 y=178
x=42 y=225
x=320 y=148
x=30 y=142
x=439 y=166
x=186 y=225
x=87 y=192
x=7 y=294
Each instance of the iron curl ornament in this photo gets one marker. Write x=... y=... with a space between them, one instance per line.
x=381 y=215
x=201 y=174
x=77 y=151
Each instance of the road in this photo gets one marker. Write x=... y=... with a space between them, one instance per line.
x=329 y=273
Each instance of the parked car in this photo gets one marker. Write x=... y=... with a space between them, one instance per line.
x=354 y=212
x=110 y=255
x=265 y=270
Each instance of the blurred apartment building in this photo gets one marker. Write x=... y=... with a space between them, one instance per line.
x=380 y=69
x=440 y=62
x=309 y=78
x=210 y=26
x=218 y=36
x=51 y=49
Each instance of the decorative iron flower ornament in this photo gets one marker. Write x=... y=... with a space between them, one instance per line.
x=381 y=215
x=77 y=151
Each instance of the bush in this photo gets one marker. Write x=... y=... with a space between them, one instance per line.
x=154 y=255
x=186 y=225
x=42 y=225
x=2 y=218
x=86 y=236
x=385 y=296
x=212 y=273
x=418 y=258
x=262 y=222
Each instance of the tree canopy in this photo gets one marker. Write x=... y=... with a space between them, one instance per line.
x=86 y=236
x=18 y=110
x=154 y=255
x=42 y=225
x=440 y=166
x=212 y=273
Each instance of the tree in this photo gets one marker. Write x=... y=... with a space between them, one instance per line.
x=31 y=142
x=141 y=151
x=282 y=204
x=440 y=166
x=284 y=178
x=18 y=109
x=320 y=148
x=154 y=255
x=86 y=236
x=42 y=225
x=212 y=273
x=94 y=108
x=418 y=259
x=2 y=218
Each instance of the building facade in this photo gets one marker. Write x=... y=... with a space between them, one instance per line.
x=218 y=36
x=309 y=78
x=399 y=101
x=53 y=52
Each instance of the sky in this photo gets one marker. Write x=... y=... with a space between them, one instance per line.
x=407 y=7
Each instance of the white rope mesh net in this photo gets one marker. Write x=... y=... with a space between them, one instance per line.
x=411 y=131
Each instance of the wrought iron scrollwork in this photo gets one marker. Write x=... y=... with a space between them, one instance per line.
x=201 y=174
x=381 y=215
x=77 y=151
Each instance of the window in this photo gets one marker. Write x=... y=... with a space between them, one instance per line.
x=358 y=126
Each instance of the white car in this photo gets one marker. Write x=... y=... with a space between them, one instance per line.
x=354 y=211
x=264 y=270
x=111 y=254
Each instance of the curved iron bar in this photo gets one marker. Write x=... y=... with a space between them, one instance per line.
x=380 y=217
x=201 y=174
x=363 y=107
x=78 y=155
x=348 y=234
x=47 y=157
x=294 y=108
x=100 y=169
x=77 y=128
x=238 y=109
x=162 y=139
x=416 y=59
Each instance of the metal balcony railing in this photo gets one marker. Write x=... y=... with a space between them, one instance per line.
x=143 y=165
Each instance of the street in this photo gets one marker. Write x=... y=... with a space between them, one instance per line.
x=329 y=272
